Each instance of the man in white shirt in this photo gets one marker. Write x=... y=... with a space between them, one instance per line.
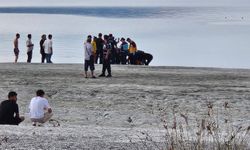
x=40 y=111
x=89 y=58
x=48 y=48
x=30 y=46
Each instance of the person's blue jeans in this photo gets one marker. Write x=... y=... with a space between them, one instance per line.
x=48 y=58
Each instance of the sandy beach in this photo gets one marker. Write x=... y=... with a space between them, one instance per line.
x=117 y=112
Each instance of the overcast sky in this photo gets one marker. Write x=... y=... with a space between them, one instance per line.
x=124 y=3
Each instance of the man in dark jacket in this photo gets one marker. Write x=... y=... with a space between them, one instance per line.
x=113 y=44
x=106 y=57
x=99 y=49
x=43 y=38
x=143 y=58
x=9 y=111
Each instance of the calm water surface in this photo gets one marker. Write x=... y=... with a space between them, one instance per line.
x=179 y=36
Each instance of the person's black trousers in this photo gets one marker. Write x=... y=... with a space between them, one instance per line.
x=43 y=57
x=106 y=66
x=29 y=56
x=101 y=56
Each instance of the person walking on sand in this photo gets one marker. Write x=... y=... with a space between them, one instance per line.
x=30 y=46
x=89 y=58
x=42 y=52
x=48 y=49
x=16 y=47
x=106 y=57
x=9 y=111
x=40 y=110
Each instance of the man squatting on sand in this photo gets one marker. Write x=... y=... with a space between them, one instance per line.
x=40 y=110
x=9 y=111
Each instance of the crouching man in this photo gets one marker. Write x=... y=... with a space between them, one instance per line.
x=40 y=111
x=143 y=58
x=9 y=111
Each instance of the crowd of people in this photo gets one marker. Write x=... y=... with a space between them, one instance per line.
x=107 y=50
x=39 y=110
x=121 y=51
x=46 y=48
x=101 y=49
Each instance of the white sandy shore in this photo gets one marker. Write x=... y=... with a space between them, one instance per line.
x=93 y=113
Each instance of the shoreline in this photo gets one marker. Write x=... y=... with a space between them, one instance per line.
x=142 y=66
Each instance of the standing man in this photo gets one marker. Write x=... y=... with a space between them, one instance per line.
x=89 y=58
x=30 y=46
x=40 y=111
x=48 y=48
x=132 y=51
x=112 y=42
x=9 y=111
x=124 y=51
x=16 y=47
x=106 y=57
x=43 y=55
x=93 y=43
x=99 y=49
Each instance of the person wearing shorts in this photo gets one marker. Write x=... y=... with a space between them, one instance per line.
x=89 y=58
x=16 y=47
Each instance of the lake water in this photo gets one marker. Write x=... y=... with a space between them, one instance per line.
x=176 y=36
